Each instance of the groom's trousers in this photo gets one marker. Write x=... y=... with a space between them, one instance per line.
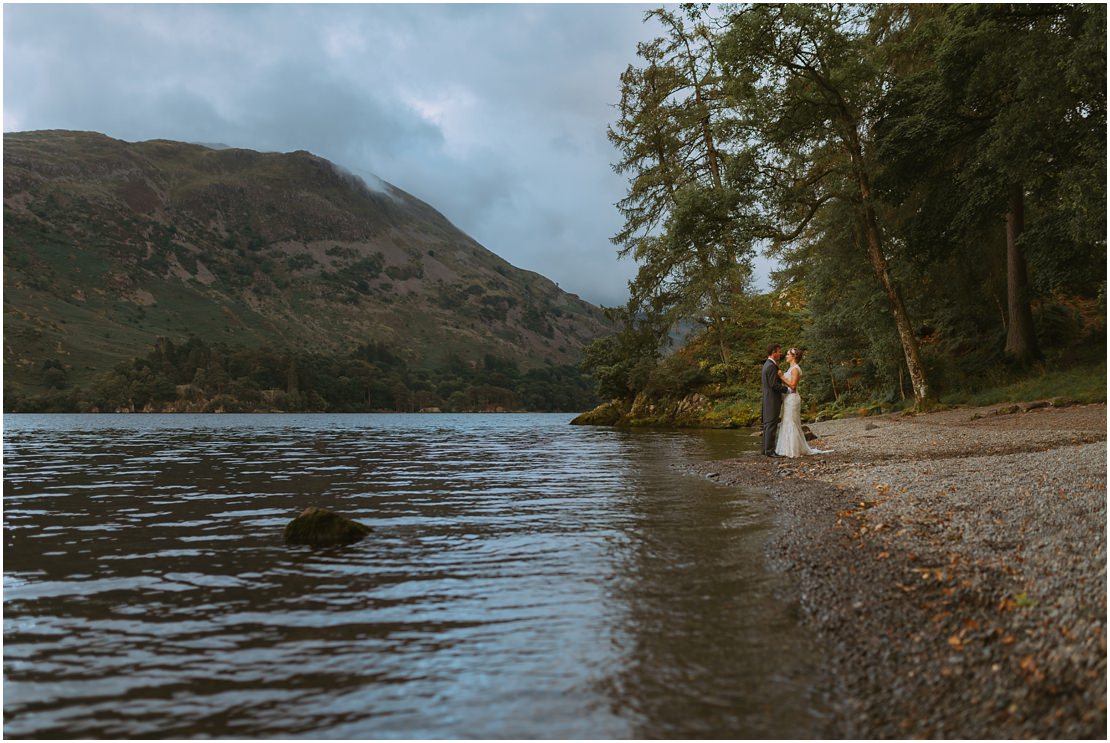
x=772 y=410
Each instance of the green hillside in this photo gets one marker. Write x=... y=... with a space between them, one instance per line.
x=109 y=245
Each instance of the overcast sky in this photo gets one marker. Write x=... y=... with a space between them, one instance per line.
x=494 y=114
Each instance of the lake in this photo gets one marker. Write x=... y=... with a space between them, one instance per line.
x=524 y=579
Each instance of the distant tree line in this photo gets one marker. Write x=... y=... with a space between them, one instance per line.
x=195 y=376
x=931 y=179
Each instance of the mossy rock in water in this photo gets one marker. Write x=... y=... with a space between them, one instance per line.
x=319 y=527
x=606 y=414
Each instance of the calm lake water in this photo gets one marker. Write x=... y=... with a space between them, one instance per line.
x=525 y=579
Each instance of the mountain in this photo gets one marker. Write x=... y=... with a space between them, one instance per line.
x=109 y=245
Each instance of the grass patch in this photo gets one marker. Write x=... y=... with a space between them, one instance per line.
x=1082 y=383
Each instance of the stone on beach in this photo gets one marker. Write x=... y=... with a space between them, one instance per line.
x=320 y=527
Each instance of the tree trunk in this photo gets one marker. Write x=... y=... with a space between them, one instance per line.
x=922 y=394
x=724 y=349
x=716 y=320
x=1021 y=341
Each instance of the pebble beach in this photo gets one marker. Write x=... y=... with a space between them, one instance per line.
x=952 y=565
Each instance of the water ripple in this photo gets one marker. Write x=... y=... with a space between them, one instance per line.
x=524 y=578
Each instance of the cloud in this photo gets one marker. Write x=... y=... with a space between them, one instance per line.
x=494 y=114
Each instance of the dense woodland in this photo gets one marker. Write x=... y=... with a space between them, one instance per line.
x=195 y=376
x=931 y=179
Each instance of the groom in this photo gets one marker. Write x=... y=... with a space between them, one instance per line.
x=773 y=390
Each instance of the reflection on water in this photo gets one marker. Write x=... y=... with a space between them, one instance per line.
x=524 y=579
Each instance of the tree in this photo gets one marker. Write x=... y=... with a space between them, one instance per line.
x=680 y=221
x=622 y=363
x=808 y=80
x=1021 y=342
x=998 y=107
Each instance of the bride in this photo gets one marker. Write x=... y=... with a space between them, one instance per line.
x=792 y=440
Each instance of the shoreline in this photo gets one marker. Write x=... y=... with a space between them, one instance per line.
x=953 y=567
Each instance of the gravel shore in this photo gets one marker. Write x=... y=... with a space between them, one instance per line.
x=953 y=565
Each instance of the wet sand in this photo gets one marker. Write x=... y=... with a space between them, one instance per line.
x=953 y=565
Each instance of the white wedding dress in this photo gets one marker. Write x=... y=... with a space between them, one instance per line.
x=792 y=440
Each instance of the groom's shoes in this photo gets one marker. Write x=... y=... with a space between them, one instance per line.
x=772 y=454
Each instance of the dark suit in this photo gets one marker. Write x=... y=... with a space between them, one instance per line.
x=773 y=390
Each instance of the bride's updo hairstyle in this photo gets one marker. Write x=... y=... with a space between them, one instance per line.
x=797 y=355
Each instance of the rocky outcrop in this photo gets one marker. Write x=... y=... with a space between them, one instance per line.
x=607 y=414
x=696 y=410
